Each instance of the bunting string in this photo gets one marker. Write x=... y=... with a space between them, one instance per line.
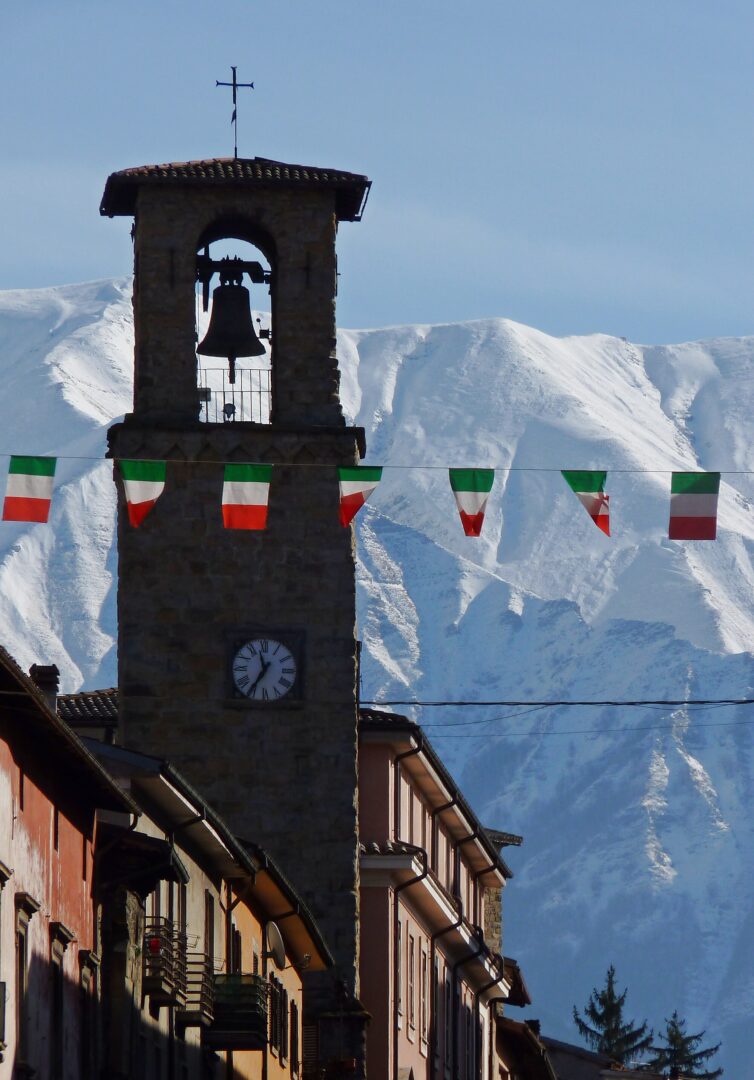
x=246 y=492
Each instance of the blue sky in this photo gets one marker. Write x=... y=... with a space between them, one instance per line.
x=582 y=166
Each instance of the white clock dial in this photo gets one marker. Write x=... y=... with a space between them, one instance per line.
x=264 y=669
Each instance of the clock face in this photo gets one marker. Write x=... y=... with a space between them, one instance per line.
x=264 y=669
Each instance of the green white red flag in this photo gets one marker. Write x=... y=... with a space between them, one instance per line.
x=357 y=483
x=589 y=488
x=471 y=488
x=29 y=491
x=143 y=483
x=246 y=493
x=693 y=506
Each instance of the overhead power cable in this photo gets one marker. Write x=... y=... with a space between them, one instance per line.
x=636 y=703
x=584 y=731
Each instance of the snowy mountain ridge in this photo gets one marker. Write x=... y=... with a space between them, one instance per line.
x=637 y=822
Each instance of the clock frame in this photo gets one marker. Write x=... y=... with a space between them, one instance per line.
x=258 y=637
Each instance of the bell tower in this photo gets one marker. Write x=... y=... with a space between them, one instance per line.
x=201 y=608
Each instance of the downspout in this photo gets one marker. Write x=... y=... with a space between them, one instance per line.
x=474 y=835
x=433 y=814
x=493 y=1040
x=396 y=781
x=432 y=951
x=455 y=997
x=396 y=972
x=499 y=963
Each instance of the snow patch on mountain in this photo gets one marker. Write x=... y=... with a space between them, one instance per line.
x=637 y=822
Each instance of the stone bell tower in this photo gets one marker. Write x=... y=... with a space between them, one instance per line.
x=236 y=648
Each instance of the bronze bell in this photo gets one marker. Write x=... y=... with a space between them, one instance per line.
x=231 y=332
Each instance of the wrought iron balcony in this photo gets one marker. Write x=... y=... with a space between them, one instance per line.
x=240 y=1014
x=200 y=992
x=164 y=963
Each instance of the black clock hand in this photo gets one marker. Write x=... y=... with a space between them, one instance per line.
x=260 y=676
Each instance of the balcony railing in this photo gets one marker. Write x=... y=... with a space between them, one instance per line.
x=200 y=992
x=240 y=1014
x=164 y=963
x=248 y=399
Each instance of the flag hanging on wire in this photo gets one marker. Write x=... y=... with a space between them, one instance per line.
x=471 y=488
x=589 y=488
x=143 y=483
x=693 y=506
x=29 y=491
x=357 y=483
x=246 y=493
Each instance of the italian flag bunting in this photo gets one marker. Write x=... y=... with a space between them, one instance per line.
x=693 y=505
x=246 y=493
x=29 y=491
x=357 y=483
x=589 y=488
x=143 y=482
x=471 y=488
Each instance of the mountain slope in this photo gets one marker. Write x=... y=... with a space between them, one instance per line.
x=637 y=822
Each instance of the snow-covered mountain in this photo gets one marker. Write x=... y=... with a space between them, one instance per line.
x=638 y=828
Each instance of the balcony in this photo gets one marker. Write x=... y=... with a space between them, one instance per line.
x=240 y=1013
x=164 y=963
x=200 y=992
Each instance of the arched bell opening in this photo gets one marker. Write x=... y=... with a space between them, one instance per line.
x=234 y=276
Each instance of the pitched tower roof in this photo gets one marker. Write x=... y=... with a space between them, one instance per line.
x=351 y=189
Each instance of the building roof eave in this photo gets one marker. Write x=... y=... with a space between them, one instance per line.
x=46 y=721
x=401 y=729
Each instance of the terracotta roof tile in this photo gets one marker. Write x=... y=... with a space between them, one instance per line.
x=93 y=708
x=120 y=190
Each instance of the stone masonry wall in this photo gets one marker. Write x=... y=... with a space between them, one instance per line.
x=284 y=777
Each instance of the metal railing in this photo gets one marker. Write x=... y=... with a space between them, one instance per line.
x=200 y=991
x=164 y=962
x=240 y=1013
x=248 y=399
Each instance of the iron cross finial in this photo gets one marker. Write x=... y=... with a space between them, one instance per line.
x=234 y=118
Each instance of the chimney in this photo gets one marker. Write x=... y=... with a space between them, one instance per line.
x=534 y=1025
x=47 y=678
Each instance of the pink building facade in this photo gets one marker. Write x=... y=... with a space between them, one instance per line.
x=50 y=792
x=430 y=876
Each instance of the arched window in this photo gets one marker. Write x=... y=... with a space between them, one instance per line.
x=234 y=326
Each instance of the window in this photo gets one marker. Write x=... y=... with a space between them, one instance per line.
x=435 y=1017
x=424 y=1006
x=469 y=1043
x=88 y=966
x=22 y=968
x=56 y=1011
x=294 y=1039
x=399 y=972
x=26 y=907
x=209 y=925
x=278 y=1018
x=60 y=938
x=448 y=1018
x=235 y=951
x=410 y=982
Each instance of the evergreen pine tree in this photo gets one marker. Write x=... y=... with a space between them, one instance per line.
x=608 y=1032
x=680 y=1052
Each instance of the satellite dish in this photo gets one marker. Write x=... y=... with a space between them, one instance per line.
x=275 y=945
